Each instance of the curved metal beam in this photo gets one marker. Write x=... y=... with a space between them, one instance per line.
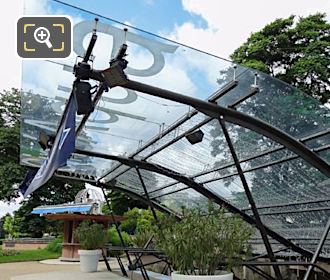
x=230 y=115
x=200 y=189
x=132 y=194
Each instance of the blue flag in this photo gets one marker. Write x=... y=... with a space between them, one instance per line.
x=63 y=147
x=27 y=180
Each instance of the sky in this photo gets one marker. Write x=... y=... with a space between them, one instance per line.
x=214 y=26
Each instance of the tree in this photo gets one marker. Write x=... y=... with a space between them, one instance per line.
x=12 y=173
x=120 y=203
x=11 y=226
x=56 y=191
x=298 y=54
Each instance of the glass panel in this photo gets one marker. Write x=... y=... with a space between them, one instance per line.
x=129 y=123
x=319 y=141
x=190 y=159
x=123 y=120
x=151 y=180
x=325 y=155
x=231 y=190
x=305 y=229
x=186 y=198
x=284 y=106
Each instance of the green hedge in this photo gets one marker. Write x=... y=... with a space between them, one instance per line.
x=56 y=245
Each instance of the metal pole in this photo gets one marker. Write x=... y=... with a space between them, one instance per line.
x=96 y=99
x=147 y=195
x=248 y=193
x=235 y=117
x=116 y=225
x=219 y=93
x=318 y=250
x=200 y=189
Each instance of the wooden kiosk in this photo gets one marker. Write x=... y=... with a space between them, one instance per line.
x=87 y=206
x=71 y=222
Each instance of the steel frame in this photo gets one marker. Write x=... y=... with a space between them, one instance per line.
x=221 y=92
x=200 y=189
x=147 y=195
x=235 y=117
x=318 y=250
x=275 y=162
x=118 y=231
x=224 y=115
x=267 y=152
x=130 y=193
x=248 y=193
x=297 y=203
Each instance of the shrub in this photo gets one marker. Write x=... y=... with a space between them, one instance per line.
x=202 y=240
x=56 y=245
x=6 y=252
x=91 y=235
x=114 y=238
x=139 y=220
x=129 y=225
x=141 y=238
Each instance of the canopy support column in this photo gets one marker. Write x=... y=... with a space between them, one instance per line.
x=147 y=195
x=248 y=193
x=318 y=250
x=118 y=230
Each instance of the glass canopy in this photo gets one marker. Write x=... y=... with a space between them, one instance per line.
x=286 y=181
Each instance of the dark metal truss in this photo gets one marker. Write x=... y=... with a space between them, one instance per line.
x=238 y=118
x=116 y=188
x=268 y=164
x=116 y=77
x=219 y=93
x=200 y=189
x=228 y=165
x=249 y=196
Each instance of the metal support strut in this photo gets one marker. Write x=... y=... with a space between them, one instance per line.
x=248 y=193
x=318 y=250
x=147 y=195
x=118 y=231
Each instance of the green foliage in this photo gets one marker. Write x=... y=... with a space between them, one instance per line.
x=285 y=47
x=56 y=245
x=11 y=226
x=7 y=252
x=297 y=53
x=121 y=203
x=29 y=255
x=12 y=173
x=139 y=220
x=91 y=235
x=54 y=192
x=114 y=238
x=202 y=240
x=141 y=237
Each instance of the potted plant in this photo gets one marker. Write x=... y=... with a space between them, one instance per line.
x=202 y=241
x=91 y=237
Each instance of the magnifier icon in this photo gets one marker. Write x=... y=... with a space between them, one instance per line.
x=41 y=35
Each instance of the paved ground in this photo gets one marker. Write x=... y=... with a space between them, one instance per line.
x=7 y=270
x=52 y=270
x=69 y=275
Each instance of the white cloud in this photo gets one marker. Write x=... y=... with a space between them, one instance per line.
x=36 y=7
x=231 y=22
x=9 y=207
x=10 y=76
